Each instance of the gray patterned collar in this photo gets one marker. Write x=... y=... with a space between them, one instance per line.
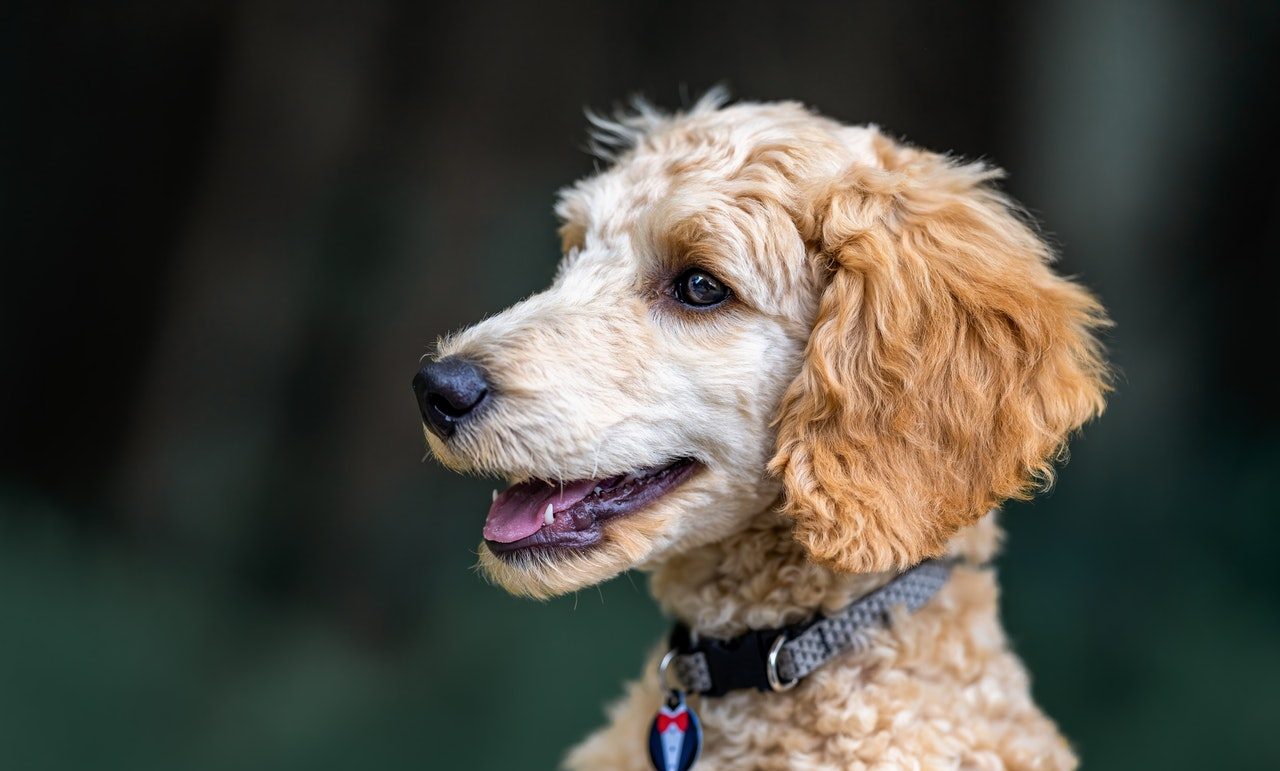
x=777 y=659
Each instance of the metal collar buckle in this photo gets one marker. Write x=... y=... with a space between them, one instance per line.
x=771 y=666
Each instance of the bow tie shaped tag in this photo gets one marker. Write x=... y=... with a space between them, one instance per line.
x=675 y=739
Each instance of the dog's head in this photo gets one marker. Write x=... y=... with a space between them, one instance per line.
x=757 y=302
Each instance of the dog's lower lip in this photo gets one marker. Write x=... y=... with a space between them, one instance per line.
x=582 y=525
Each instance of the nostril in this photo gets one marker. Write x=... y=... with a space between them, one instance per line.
x=445 y=405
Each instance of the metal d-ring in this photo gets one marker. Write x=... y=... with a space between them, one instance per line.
x=662 y=669
x=771 y=667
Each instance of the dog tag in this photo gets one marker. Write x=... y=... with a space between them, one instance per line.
x=675 y=739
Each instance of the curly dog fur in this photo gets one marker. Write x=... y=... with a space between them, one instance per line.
x=896 y=359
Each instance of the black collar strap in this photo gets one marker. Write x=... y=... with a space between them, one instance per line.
x=777 y=659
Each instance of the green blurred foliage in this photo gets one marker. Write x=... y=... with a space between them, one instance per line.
x=116 y=659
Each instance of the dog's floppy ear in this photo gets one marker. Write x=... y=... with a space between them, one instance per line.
x=946 y=367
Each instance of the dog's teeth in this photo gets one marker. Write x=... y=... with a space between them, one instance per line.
x=495 y=494
x=597 y=489
x=550 y=516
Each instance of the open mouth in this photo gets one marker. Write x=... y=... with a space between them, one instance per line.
x=543 y=514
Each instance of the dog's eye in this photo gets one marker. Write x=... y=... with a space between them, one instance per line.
x=700 y=289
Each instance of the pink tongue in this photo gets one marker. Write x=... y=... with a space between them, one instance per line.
x=522 y=509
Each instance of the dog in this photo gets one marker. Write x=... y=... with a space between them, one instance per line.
x=783 y=363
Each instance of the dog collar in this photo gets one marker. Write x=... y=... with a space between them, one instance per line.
x=778 y=659
x=771 y=659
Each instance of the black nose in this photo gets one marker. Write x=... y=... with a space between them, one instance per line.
x=448 y=390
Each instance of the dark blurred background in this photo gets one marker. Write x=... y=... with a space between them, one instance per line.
x=229 y=230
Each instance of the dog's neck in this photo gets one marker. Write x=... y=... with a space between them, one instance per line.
x=762 y=578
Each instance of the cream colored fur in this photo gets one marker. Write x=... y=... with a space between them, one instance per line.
x=897 y=358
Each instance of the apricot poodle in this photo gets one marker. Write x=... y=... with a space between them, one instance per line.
x=789 y=368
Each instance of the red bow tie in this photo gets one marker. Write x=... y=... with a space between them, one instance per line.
x=681 y=721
